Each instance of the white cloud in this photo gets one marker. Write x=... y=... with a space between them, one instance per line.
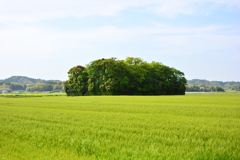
x=22 y=40
x=28 y=10
x=26 y=40
x=208 y=39
x=189 y=7
x=195 y=44
x=36 y=43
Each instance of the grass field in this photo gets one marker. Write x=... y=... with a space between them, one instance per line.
x=21 y=95
x=195 y=126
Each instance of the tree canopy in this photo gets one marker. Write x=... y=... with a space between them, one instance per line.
x=131 y=76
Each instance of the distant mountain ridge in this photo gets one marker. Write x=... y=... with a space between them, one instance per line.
x=225 y=85
x=26 y=80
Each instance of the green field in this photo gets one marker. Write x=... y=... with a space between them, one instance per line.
x=195 y=126
x=21 y=95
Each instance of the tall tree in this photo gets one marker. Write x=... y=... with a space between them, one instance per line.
x=77 y=83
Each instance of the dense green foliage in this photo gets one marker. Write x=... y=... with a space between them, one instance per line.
x=199 y=88
x=225 y=85
x=132 y=76
x=195 y=126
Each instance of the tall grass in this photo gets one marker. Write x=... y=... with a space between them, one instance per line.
x=195 y=126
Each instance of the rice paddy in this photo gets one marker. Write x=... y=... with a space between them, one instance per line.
x=194 y=126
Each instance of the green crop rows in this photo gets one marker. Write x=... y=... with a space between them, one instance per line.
x=195 y=126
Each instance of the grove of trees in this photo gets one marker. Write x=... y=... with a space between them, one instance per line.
x=131 y=76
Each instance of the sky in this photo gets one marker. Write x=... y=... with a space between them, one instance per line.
x=44 y=39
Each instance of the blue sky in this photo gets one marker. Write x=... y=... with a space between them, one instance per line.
x=44 y=39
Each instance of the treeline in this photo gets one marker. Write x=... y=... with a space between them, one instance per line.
x=224 y=85
x=201 y=88
x=45 y=87
x=13 y=86
x=131 y=76
x=9 y=86
x=27 y=80
x=236 y=88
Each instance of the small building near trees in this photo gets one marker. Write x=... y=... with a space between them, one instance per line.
x=4 y=92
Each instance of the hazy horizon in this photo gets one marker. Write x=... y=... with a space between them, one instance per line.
x=66 y=79
x=44 y=39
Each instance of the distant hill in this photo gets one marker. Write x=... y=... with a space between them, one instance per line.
x=201 y=82
x=26 y=80
x=225 y=85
